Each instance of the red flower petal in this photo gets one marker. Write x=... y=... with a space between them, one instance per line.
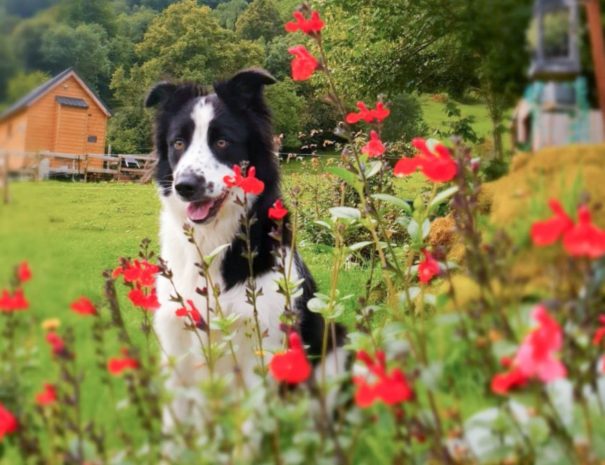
x=48 y=396
x=8 y=422
x=304 y=64
x=584 y=239
x=292 y=366
x=374 y=147
x=24 y=273
x=277 y=212
x=428 y=268
x=84 y=306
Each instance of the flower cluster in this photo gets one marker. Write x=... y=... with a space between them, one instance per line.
x=292 y=366
x=14 y=301
x=249 y=183
x=434 y=160
x=310 y=26
x=193 y=313
x=583 y=239
x=140 y=276
x=535 y=358
x=389 y=387
x=378 y=114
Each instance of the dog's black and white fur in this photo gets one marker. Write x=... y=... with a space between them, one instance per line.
x=199 y=137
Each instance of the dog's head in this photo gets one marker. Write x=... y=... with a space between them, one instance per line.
x=200 y=136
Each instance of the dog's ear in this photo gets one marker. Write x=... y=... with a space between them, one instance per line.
x=245 y=89
x=159 y=93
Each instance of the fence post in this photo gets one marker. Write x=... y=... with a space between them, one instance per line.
x=4 y=174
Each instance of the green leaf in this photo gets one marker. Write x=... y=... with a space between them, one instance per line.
x=359 y=245
x=345 y=213
x=208 y=259
x=346 y=175
x=394 y=201
x=442 y=197
x=373 y=168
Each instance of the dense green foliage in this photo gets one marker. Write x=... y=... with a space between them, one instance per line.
x=396 y=48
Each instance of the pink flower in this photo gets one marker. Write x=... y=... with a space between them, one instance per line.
x=56 y=343
x=292 y=366
x=304 y=64
x=277 y=212
x=84 y=306
x=435 y=162
x=374 y=148
x=250 y=184
x=428 y=268
x=535 y=358
x=310 y=26
x=547 y=232
x=389 y=387
x=584 y=239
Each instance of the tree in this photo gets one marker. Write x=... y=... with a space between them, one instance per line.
x=228 y=12
x=26 y=8
x=7 y=66
x=27 y=37
x=288 y=112
x=185 y=42
x=260 y=20
x=83 y=47
x=22 y=83
x=89 y=12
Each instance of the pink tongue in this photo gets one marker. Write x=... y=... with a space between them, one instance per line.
x=198 y=211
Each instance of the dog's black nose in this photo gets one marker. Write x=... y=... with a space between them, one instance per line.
x=190 y=187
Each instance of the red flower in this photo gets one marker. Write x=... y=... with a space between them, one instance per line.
x=83 y=306
x=502 y=383
x=535 y=358
x=193 y=313
x=547 y=232
x=277 y=212
x=8 y=422
x=584 y=239
x=380 y=113
x=434 y=160
x=24 y=273
x=118 y=365
x=292 y=366
x=391 y=388
x=14 y=302
x=375 y=147
x=307 y=26
x=304 y=64
x=250 y=184
x=48 y=396
x=138 y=272
x=599 y=334
x=56 y=343
x=147 y=301
x=428 y=268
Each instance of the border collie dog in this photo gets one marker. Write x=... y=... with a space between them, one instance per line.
x=199 y=137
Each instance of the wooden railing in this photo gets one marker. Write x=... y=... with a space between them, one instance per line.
x=119 y=166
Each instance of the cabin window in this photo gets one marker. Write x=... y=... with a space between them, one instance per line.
x=92 y=139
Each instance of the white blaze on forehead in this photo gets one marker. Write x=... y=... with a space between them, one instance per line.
x=199 y=159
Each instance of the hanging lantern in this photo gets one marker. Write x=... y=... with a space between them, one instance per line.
x=553 y=37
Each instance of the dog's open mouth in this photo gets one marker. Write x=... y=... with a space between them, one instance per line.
x=203 y=210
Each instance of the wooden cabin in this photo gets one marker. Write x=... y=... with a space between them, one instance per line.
x=63 y=115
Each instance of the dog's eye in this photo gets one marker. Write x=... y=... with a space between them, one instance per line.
x=221 y=144
x=179 y=144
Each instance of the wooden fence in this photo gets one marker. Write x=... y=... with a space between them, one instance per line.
x=41 y=165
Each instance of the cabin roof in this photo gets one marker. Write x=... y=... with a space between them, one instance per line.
x=30 y=98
